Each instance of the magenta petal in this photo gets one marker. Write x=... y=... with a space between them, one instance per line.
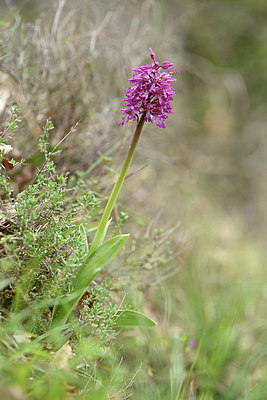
x=167 y=65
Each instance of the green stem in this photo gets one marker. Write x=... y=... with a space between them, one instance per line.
x=101 y=231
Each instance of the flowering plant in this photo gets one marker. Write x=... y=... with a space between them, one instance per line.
x=150 y=93
x=148 y=99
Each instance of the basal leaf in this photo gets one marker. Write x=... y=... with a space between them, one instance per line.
x=133 y=318
x=93 y=264
x=98 y=242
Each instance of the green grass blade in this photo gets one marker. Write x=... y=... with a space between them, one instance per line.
x=84 y=238
x=133 y=318
x=171 y=383
x=186 y=383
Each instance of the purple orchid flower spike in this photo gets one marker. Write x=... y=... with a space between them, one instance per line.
x=150 y=93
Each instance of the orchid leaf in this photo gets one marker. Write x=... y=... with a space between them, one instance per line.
x=133 y=318
x=92 y=266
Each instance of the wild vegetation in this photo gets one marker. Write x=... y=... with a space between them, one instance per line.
x=77 y=308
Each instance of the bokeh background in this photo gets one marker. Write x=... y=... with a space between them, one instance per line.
x=202 y=179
